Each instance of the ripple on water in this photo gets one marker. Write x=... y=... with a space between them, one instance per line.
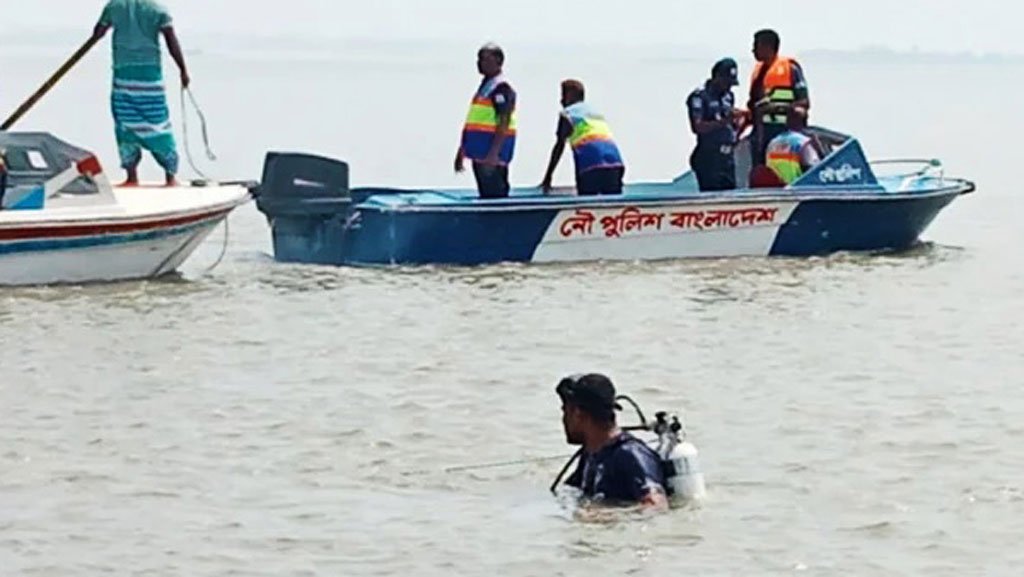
x=855 y=415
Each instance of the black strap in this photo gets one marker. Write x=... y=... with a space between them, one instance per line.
x=3 y=179
x=757 y=86
x=565 y=469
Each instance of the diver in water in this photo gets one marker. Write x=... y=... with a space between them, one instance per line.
x=615 y=467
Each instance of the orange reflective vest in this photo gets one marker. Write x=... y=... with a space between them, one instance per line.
x=778 y=86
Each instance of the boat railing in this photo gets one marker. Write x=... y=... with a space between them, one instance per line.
x=927 y=165
x=926 y=168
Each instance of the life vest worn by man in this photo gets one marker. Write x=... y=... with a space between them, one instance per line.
x=489 y=135
x=792 y=153
x=776 y=85
x=599 y=165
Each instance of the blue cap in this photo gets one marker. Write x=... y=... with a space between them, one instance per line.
x=726 y=68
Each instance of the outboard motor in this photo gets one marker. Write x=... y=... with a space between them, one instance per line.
x=307 y=203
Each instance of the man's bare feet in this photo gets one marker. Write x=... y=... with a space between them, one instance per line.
x=133 y=177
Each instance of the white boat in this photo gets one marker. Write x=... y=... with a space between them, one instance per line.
x=61 y=220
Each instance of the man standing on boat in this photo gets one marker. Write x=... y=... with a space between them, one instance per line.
x=615 y=467
x=715 y=121
x=599 y=166
x=489 y=135
x=792 y=153
x=138 y=101
x=776 y=85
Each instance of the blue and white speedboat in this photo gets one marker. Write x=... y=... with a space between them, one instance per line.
x=842 y=204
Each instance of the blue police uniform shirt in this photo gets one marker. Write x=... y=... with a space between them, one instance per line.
x=624 y=471
x=704 y=105
x=504 y=98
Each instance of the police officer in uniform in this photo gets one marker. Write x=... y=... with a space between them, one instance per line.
x=715 y=121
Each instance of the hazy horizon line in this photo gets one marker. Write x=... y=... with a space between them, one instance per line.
x=50 y=37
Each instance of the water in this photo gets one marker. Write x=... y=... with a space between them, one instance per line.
x=856 y=415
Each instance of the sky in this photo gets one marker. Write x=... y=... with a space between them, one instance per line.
x=978 y=26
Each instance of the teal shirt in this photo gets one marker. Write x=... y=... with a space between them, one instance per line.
x=137 y=25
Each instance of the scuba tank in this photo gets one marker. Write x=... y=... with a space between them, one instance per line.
x=679 y=459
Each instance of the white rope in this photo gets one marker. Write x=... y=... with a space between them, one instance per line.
x=205 y=133
x=223 y=248
x=209 y=156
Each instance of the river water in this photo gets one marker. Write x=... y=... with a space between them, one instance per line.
x=856 y=415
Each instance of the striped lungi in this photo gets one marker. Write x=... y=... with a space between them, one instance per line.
x=141 y=117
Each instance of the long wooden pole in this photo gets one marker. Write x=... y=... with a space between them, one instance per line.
x=49 y=84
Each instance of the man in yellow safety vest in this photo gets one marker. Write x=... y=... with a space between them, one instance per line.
x=489 y=134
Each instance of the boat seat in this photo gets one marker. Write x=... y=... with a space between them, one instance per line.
x=764 y=177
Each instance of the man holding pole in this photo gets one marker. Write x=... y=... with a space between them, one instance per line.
x=138 y=101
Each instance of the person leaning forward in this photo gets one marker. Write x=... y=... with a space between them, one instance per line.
x=599 y=165
x=489 y=134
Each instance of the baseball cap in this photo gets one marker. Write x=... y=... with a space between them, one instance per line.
x=592 y=392
x=726 y=67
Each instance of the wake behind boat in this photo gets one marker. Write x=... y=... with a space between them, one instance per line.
x=839 y=205
x=63 y=222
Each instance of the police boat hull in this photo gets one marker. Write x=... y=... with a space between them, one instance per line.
x=62 y=222
x=840 y=205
